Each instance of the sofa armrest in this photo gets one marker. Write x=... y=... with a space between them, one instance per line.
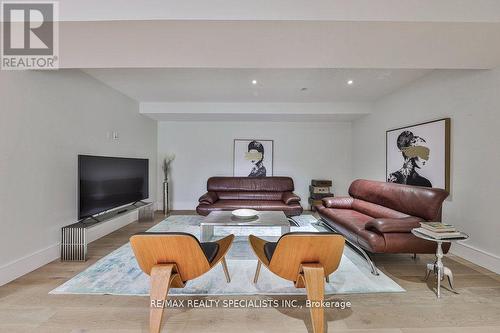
x=338 y=202
x=400 y=225
x=208 y=198
x=290 y=197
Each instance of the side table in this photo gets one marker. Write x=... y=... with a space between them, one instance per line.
x=437 y=267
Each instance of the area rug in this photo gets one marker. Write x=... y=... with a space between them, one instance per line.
x=119 y=274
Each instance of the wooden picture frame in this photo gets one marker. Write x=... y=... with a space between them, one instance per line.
x=424 y=154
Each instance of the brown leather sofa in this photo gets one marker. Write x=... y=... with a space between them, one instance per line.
x=265 y=193
x=378 y=216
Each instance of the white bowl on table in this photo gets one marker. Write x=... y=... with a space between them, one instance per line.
x=245 y=213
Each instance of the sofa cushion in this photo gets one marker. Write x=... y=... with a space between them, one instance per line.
x=376 y=211
x=394 y=225
x=244 y=195
x=252 y=204
x=250 y=184
x=227 y=205
x=347 y=218
x=424 y=202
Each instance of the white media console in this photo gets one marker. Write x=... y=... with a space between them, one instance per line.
x=75 y=236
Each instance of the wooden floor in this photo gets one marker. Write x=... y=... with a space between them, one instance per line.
x=26 y=306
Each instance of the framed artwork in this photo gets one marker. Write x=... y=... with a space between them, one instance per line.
x=253 y=158
x=419 y=154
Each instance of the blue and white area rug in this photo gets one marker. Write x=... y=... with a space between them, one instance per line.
x=119 y=274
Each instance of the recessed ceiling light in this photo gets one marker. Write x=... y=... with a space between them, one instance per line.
x=254 y=82
x=350 y=82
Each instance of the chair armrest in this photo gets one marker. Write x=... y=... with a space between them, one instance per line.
x=208 y=198
x=394 y=225
x=338 y=202
x=290 y=197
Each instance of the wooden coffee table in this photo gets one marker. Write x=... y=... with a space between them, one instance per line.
x=226 y=219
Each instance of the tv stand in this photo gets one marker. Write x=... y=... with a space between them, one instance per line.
x=92 y=218
x=74 y=238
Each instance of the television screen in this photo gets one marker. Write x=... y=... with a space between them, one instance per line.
x=109 y=182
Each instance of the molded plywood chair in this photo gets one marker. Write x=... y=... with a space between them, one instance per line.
x=307 y=259
x=172 y=259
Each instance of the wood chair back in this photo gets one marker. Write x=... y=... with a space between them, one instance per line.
x=181 y=249
x=296 y=249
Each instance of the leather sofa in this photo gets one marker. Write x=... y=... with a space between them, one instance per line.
x=264 y=193
x=378 y=216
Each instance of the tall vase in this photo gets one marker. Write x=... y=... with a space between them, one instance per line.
x=165 y=198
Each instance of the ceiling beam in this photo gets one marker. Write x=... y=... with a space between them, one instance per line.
x=309 y=112
x=278 y=44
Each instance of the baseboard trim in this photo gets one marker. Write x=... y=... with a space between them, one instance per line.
x=477 y=256
x=28 y=263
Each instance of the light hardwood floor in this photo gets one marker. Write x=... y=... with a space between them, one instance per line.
x=26 y=306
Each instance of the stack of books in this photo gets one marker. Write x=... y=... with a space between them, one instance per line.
x=438 y=230
x=319 y=189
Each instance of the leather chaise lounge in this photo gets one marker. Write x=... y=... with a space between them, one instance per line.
x=265 y=193
x=378 y=217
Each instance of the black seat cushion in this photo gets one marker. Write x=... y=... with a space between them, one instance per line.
x=269 y=249
x=210 y=250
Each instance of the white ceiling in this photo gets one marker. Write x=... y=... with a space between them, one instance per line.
x=317 y=112
x=273 y=85
x=279 y=44
x=339 y=10
x=180 y=53
x=413 y=34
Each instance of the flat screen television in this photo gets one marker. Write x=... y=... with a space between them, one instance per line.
x=105 y=183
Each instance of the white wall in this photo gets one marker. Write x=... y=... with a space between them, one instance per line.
x=301 y=150
x=46 y=119
x=472 y=100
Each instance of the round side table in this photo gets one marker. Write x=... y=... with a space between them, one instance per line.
x=437 y=267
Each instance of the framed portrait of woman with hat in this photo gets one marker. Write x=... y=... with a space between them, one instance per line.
x=253 y=158
x=419 y=155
